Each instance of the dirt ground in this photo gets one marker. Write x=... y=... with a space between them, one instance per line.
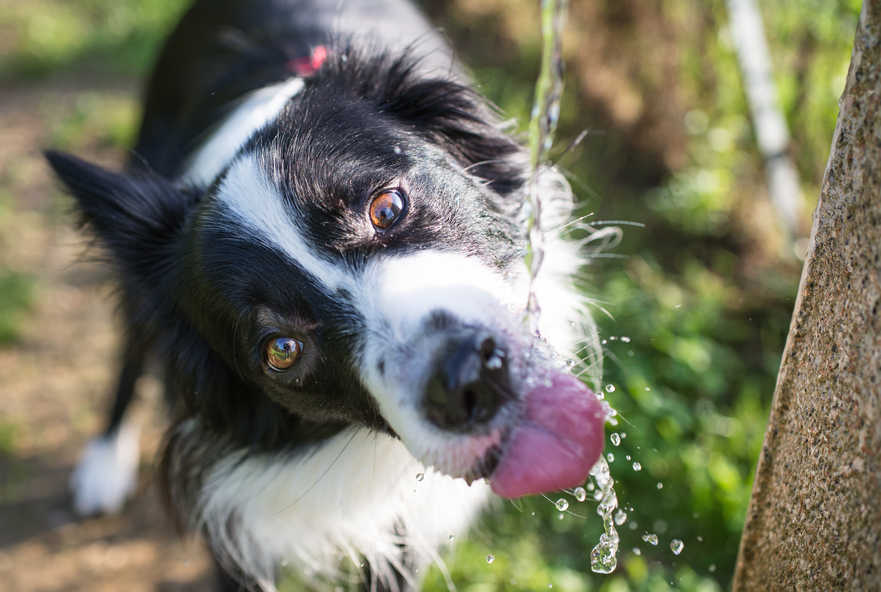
x=55 y=382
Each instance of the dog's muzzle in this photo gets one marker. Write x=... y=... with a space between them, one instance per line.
x=469 y=384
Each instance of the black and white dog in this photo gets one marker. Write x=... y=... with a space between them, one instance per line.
x=320 y=236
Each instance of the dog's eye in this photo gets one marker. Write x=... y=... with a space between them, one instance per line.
x=386 y=208
x=280 y=353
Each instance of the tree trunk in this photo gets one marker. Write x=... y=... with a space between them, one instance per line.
x=814 y=521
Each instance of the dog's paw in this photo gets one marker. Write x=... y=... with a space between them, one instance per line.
x=106 y=473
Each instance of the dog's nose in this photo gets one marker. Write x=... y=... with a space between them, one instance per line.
x=469 y=383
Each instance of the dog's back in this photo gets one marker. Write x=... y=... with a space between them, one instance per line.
x=222 y=50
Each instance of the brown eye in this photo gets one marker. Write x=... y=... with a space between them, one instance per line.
x=386 y=208
x=282 y=352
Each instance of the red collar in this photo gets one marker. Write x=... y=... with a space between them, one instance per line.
x=306 y=67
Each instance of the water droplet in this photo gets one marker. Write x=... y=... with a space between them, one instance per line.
x=627 y=457
x=562 y=505
x=620 y=517
x=700 y=539
x=676 y=545
x=615 y=438
x=632 y=525
x=591 y=486
x=650 y=538
x=490 y=558
x=648 y=388
x=660 y=485
x=637 y=551
x=604 y=556
x=623 y=435
x=712 y=568
x=610 y=457
x=604 y=342
x=637 y=466
x=451 y=538
x=610 y=388
x=625 y=339
x=397 y=149
x=560 y=516
x=613 y=338
x=570 y=362
x=494 y=362
x=420 y=476
x=580 y=494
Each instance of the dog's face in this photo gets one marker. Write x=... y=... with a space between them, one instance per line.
x=360 y=262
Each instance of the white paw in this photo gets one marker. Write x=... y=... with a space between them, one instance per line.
x=106 y=473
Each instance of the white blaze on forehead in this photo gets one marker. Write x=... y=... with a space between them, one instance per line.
x=253 y=200
x=252 y=113
x=403 y=290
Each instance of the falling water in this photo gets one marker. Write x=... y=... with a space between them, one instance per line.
x=604 y=556
x=542 y=124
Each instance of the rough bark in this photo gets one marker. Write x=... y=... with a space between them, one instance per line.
x=814 y=521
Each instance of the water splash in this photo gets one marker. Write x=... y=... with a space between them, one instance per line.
x=604 y=556
x=650 y=538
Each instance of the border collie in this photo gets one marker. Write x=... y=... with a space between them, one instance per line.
x=320 y=236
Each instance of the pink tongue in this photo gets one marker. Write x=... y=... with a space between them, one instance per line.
x=556 y=443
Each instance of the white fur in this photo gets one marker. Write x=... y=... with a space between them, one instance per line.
x=254 y=111
x=342 y=499
x=253 y=200
x=106 y=473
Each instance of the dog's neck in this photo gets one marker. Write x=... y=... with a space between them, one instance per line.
x=255 y=110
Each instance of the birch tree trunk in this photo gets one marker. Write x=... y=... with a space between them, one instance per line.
x=814 y=521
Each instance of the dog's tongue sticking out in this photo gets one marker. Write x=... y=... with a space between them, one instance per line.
x=556 y=443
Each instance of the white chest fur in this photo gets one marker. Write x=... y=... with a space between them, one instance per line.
x=359 y=495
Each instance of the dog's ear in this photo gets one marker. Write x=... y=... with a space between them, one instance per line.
x=457 y=118
x=137 y=216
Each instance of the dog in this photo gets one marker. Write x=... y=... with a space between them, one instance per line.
x=320 y=237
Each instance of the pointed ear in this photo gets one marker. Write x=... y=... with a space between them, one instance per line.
x=137 y=216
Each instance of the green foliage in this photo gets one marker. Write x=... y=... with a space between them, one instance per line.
x=48 y=35
x=16 y=294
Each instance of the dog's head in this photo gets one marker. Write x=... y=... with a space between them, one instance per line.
x=360 y=261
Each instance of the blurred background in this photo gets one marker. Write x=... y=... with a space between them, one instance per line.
x=693 y=304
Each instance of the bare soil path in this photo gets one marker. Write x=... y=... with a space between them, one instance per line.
x=55 y=380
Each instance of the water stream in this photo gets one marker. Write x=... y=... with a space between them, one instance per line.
x=542 y=125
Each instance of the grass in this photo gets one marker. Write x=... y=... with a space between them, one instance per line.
x=16 y=296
